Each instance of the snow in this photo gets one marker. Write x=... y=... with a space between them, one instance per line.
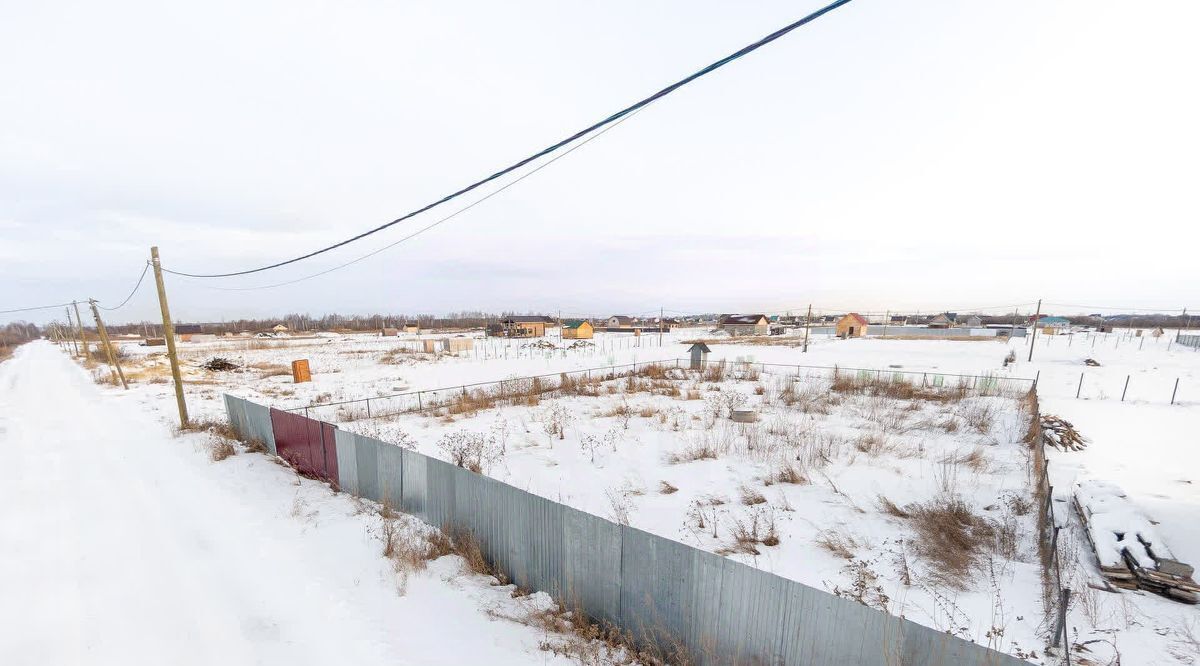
x=1116 y=525
x=121 y=544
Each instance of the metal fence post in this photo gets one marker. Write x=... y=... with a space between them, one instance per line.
x=1125 y=389
x=1080 y=387
x=368 y=408
x=419 y=408
x=1175 y=390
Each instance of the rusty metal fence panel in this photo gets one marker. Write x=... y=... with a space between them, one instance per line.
x=666 y=594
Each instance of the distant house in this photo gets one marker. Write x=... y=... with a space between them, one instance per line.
x=525 y=326
x=411 y=327
x=974 y=321
x=189 y=329
x=277 y=328
x=898 y=320
x=751 y=324
x=1052 y=325
x=944 y=320
x=620 y=322
x=577 y=329
x=852 y=325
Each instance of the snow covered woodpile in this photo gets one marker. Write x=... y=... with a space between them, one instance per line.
x=1131 y=553
x=1059 y=433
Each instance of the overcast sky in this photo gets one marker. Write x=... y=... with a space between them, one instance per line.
x=891 y=155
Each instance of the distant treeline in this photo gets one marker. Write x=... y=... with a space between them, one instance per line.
x=18 y=332
x=331 y=322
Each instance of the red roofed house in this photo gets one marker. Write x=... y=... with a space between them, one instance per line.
x=852 y=325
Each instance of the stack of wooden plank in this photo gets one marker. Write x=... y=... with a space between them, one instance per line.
x=1131 y=553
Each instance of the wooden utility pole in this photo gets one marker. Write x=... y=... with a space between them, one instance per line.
x=807 y=319
x=1036 y=317
x=113 y=361
x=70 y=326
x=660 y=325
x=87 y=354
x=169 y=334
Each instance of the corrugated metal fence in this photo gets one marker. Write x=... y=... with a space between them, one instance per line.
x=662 y=592
x=1188 y=340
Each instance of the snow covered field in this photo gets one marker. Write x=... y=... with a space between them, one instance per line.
x=629 y=453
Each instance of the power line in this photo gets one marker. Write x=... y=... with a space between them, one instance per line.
x=422 y=230
x=61 y=305
x=135 y=288
x=34 y=308
x=546 y=151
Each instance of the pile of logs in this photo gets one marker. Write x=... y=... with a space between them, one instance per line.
x=1059 y=433
x=1130 y=553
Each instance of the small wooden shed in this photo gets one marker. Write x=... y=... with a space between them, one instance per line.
x=852 y=325
x=699 y=353
x=577 y=329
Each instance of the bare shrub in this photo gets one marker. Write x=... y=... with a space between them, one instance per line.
x=758 y=529
x=665 y=488
x=619 y=505
x=979 y=416
x=864 y=586
x=555 y=420
x=471 y=450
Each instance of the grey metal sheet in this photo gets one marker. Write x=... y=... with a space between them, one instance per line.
x=258 y=424
x=656 y=595
x=347 y=460
x=439 y=493
x=591 y=565
x=414 y=485
x=390 y=471
x=752 y=603
x=366 y=466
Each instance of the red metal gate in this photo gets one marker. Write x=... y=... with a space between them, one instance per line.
x=307 y=444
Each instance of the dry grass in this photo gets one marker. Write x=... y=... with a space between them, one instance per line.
x=220 y=448
x=887 y=506
x=271 y=370
x=693 y=452
x=787 y=472
x=895 y=387
x=977 y=459
x=665 y=488
x=951 y=537
x=838 y=543
x=749 y=496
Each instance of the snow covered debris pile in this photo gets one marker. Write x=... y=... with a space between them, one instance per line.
x=1131 y=553
x=1059 y=433
x=219 y=364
